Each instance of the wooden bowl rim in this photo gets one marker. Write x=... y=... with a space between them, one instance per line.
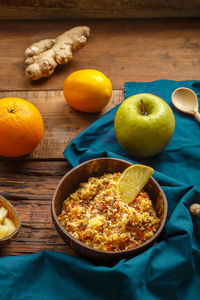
x=114 y=253
x=19 y=221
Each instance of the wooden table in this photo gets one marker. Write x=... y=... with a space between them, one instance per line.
x=125 y=50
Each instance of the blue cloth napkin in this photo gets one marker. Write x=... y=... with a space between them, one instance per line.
x=169 y=269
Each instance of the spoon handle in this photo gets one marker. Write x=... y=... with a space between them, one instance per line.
x=197 y=115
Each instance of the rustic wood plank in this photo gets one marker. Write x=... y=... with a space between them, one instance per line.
x=125 y=50
x=45 y=9
x=61 y=122
x=30 y=187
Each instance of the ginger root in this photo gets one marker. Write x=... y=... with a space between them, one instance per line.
x=195 y=209
x=43 y=57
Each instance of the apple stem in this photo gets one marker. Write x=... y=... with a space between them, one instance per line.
x=144 y=113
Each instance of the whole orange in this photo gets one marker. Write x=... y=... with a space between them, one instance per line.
x=21 y=127
x=87 y=90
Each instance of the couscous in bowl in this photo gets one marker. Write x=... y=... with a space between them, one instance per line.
x=70 y=184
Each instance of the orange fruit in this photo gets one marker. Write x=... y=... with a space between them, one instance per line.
x=21 y=127
x=87 y=90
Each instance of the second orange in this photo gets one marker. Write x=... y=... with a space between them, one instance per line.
x=87 y=90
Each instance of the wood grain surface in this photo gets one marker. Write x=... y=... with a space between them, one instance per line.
x=59 y=9
x=125 y=50
x=29 y=186
x=62 y=123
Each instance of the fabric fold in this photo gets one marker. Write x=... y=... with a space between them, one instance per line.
x=170 y=269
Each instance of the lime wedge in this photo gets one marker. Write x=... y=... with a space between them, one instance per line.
x=132 y=181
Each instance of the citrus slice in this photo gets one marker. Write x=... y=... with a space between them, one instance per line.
x=132 y=181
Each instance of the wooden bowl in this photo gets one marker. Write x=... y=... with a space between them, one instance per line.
x=13 y=215
x=97 y=167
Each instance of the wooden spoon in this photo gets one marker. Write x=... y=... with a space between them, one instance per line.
x=186 y=100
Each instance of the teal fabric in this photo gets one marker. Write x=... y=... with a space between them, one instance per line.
x=169 y=269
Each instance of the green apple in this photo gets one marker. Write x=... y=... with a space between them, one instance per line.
x=144 y=125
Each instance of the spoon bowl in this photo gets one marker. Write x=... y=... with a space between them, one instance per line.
x=185 y=100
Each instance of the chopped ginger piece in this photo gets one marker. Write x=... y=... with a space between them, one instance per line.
x=7 y=226
x=3 y=214
x=3 y=231
x=10 y=225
